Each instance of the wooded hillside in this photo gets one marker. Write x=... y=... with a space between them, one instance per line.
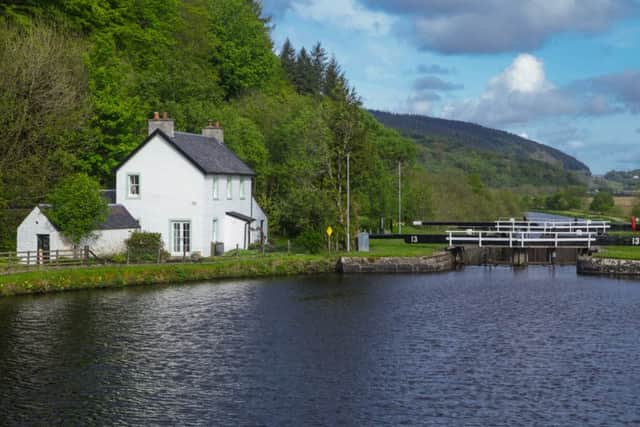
x=79 y=78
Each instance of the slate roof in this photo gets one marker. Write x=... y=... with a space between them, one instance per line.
x=118 y=218
x=210 y=155
x=109 y=195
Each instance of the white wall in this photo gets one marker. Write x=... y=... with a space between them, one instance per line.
x=102 y=242
x=171 y=188
x=229 y=231
x=259 y=215
x=37 y=223
x=108 y=242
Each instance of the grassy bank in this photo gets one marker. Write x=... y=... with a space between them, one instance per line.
x=246 y=264
x=619 y=252
x=128 y=275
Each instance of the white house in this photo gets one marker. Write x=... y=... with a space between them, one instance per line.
x=37 y=234
x=190 y=188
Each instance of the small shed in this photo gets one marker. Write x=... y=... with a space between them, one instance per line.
x=38 y=233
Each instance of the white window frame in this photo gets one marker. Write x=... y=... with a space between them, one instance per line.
x=229 y=188
x=243 y=189
x=131 y=195
x=180 y=243
x=216 y=188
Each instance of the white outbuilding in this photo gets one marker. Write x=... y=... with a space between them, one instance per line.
x=38 y=235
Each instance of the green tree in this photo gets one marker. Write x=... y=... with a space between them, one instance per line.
x=318 y=65
x=77 y=208
x=602 y=202
x=242 y=46
x=43 y=104
x=288 y=59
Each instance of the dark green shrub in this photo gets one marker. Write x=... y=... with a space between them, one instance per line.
x=311 y=241
x=145 y=247
x=602 y=202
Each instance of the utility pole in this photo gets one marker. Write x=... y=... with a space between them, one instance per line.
x=399 y=197
x=348 y=205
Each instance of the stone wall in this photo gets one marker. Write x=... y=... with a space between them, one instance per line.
x=608 y=266
x=441 y=261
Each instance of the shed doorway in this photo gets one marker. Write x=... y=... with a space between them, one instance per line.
x=44 y=248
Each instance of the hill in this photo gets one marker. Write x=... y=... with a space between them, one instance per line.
x=500 y=158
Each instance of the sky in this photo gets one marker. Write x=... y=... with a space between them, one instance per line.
x=565 y=73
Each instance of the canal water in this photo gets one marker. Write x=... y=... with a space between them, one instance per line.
x=483 y=346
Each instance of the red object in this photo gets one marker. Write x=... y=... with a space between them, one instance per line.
x=633 y=223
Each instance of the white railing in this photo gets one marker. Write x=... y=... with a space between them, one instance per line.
x=585 y=226
x=521 y=239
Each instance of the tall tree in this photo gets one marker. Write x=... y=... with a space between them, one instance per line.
x=288 y=59
x=242 y=45
x=318 y=63
x=304 y=73
x=43 y=104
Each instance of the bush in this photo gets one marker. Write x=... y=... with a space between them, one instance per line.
x=77 y=207
x=311 y=241
x=602 y=202
x=145 y=247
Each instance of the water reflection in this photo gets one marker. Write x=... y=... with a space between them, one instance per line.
x=484 y=346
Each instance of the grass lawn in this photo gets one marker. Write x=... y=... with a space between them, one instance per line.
x=619 y=252
x=384 y=247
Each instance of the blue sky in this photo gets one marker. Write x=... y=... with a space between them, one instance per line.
x=562 y=72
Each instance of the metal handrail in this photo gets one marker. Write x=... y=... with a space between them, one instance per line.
x=545 y=226
x=519 y=238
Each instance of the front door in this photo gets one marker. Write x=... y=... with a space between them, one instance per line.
x=43 y=248
x=180 y=238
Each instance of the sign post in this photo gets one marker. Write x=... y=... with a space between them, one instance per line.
x=329 y=233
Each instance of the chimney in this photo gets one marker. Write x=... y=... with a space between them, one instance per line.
x=165 y=124
x=214 y=131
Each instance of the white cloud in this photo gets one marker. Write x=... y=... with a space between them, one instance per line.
x=420 y=103
x=346 y=14
x=518 y=94
x=525 y=74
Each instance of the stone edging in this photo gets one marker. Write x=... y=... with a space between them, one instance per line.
x=440 y=261
x=608 y=266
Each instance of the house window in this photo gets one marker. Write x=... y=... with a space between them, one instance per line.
x=214 y=233
x=229 y=193
x=216 y=188
x=242 y=189
x=180 y=237
x=133 y=186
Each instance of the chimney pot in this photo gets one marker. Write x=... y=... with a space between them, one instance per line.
x=213 y=131
x=165 y=124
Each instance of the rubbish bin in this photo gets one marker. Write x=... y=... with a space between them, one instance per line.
x=363 y=242
x=218 y=248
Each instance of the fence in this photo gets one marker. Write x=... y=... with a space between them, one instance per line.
x=21 y=260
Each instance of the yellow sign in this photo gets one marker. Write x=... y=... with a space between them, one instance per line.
x=329 y=231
